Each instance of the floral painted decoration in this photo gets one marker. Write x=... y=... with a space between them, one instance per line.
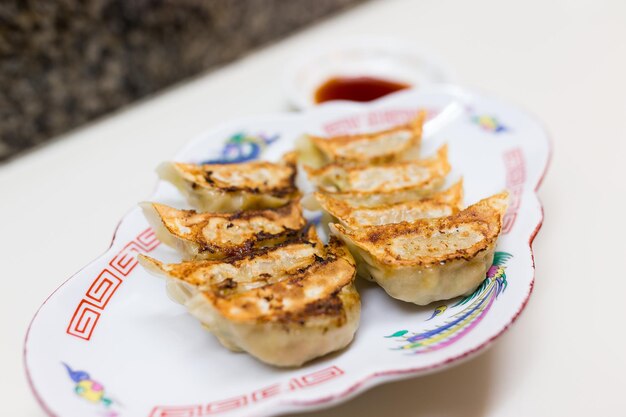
x=489 y=123
x=91 y=390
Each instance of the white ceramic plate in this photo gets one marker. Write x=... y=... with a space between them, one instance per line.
x=109 y=342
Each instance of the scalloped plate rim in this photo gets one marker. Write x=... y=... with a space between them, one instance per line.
x=363 y=384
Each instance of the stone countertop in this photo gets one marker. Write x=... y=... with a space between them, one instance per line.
x=66 y=62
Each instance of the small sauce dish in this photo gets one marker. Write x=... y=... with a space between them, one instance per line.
x=360 y=69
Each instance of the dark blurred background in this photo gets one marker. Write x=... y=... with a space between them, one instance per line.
x=65 y=62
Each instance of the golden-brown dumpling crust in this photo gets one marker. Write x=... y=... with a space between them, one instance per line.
x=218 y=235
x=284 y=306
x=429 y=259
x=251 y=270
x=440 y=204
x=426 y=175
x=311 y=292
x=385 y=178
x=395 y=144
x=231 y=187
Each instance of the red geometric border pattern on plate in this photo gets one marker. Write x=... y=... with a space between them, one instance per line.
x=181 y=411
x=376 y=119
x=125 y=261
x=84 y=320
x=515 y=166
x=147 y=240
x=300 y=382
x=318 y=377
x=103 y=287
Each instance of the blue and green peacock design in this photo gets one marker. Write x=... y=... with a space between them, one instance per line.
x=474 y=308
x=243 y=147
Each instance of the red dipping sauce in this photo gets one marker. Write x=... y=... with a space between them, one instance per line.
x=356 y=89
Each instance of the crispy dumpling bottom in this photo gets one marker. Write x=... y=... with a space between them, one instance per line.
x=285 y=306
x=440 y=204
x=232 y=187
x=220 y=235
x=425 y=175
x=400 y=143
x=429 y=259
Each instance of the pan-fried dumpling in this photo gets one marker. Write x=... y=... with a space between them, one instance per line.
x=285 y=307
x=395 y=144
x=231 y=187
x=441 y=204
x=429 y=259
x=360 y=199
x=425 y=175
x=218 y=235
x=249 y=270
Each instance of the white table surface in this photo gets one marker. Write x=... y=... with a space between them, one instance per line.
x=565 y=61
